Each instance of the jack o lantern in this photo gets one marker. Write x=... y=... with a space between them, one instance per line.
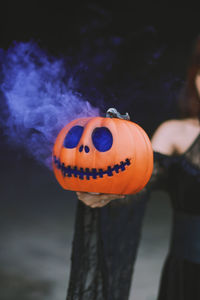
x=103 y=155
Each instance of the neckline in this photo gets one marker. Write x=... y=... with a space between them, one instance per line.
x=191 y=145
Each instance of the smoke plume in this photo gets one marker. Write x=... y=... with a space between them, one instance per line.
x=37 y=99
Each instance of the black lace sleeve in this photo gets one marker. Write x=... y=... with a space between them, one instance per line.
x=106 y=241
x=160 y=175
x=104 y=249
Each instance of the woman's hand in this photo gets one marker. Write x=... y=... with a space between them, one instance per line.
x=97 y=200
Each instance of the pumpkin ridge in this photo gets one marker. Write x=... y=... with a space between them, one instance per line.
x=90 y=173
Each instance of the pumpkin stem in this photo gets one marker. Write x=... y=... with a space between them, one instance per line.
x=113 y=113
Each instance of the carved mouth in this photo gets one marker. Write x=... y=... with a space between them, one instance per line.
x=90 y=173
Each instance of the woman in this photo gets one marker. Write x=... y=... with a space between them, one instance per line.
x=176 y=145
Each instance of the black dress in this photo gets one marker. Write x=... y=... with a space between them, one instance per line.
x=106 y=240
x=180 y=278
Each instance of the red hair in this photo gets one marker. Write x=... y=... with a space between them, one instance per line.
x=190 y=99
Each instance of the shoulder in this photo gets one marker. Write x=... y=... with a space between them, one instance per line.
x=164 y=138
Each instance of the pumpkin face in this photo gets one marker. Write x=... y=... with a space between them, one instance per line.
x=103 y=155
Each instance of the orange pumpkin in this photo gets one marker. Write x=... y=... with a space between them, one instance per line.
x=103 y=155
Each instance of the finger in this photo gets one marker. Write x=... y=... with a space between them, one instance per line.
x=105 y=200
x=110 y=197
x=90 y=198
x=98 y=195
x=87 y=199
x=83 y=196
x=102 y=200
x=100 y=203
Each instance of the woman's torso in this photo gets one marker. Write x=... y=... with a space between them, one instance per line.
x=184 y=179
x=179 y=140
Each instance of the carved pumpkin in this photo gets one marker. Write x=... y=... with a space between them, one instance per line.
x=103 y=155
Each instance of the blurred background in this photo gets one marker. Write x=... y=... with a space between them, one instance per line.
x=129 y=55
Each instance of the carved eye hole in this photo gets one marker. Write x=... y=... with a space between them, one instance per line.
x=73 y=137
x=102 y=139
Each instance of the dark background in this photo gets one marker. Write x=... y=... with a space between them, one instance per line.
x=130 y=53
x=134 y=56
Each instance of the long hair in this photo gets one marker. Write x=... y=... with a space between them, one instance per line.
x=189 y=98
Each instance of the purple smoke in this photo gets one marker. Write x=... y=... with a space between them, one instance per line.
x=37 y=99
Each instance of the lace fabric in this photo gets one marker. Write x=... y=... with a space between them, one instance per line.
x=104 y=249
x=181 y=271
x=161 y=169
x=192 y=155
